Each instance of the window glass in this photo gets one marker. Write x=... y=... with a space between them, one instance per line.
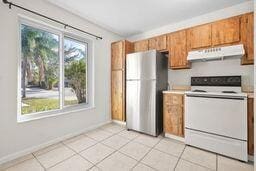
x=75 y=70
x=39 y=70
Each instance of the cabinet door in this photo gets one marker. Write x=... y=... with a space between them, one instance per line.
x=117 y=95
x=226 y=31
x=178 y=50
x=117 y=55
x=250 y=126
x=173 y=117
x=141 y=46
x=158 y=43
x=247 y=38
x=199 y=37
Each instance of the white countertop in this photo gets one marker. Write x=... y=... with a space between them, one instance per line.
x=174 y=91
x=250 y=95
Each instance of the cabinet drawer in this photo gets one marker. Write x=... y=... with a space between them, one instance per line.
x=173 y=99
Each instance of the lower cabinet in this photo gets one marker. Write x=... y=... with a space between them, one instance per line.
x=173 y=114
x=250 y=123
x=117 y=95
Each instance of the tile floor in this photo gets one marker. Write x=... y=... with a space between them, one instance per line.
x=112 y=148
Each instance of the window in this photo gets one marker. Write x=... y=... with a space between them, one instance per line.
x=75 y=71
x=54 y=70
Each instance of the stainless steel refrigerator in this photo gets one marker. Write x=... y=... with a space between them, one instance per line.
x=146 y=78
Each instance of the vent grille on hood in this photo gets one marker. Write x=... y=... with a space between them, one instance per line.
x=235 y=51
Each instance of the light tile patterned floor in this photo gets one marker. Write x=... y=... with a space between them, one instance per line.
x=111 y=147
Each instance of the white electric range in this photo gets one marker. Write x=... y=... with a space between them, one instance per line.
x=216 y=116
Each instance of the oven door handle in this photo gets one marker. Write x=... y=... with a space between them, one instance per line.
x=217 y=97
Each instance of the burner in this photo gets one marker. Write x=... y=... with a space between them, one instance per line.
x=200 y=91
x=229 y=92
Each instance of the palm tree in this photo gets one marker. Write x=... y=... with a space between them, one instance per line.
x=27 y=44
x=39 y=51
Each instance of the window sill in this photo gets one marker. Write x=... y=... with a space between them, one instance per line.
x=42 y=115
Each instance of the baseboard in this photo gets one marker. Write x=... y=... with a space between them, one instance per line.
x=54 y=141
x=251 y=158
x=174 y=137
x=119 y=122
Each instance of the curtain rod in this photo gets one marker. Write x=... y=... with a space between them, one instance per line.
x=52 y=19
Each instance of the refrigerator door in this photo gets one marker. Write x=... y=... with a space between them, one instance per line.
x=140 y=106
x=141 y=66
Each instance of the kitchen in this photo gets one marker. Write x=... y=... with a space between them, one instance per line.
x=127 y=85
x=210 y=74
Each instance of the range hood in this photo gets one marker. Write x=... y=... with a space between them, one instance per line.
x=218 y=53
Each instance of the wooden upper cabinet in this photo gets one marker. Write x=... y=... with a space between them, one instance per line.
x=159 y=43
x=119 y=50
x=140 y=46
x=117 y=95
x=178 y=50
x=117 y=55
x=226 y=31
x=247 y=37
x=199 y=37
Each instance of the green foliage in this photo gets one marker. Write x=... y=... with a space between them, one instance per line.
x=40 y=105
x=40 y=57
x=75 y=72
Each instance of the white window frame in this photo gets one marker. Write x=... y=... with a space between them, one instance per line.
x=62 y=33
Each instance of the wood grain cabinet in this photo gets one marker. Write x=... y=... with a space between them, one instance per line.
x=247 y=38
x=199 y=37
x=226 y=31
x=118 y=58
x=178 y=50
x=173 y=114
x=140 y=46
x=117 y=95
x=250 y=118
x=159 y=43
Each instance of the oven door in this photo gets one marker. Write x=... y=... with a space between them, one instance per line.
x=217 y=115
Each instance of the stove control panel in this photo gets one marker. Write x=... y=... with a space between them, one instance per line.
x=231 y=81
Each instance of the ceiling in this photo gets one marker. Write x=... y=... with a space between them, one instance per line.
x=129 y=17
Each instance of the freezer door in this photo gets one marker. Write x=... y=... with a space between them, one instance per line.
x=141 y=66
x=140 y=106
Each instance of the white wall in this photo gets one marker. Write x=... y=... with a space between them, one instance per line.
x=206 y=18
x=213 y=68
x=230 y=67
x=19 y=138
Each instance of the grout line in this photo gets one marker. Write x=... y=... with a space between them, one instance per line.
x=55 y=144
x=98 y=142
x=76 y=153
x=11 y=165
x=180 y=157
x=192 y=161
x=216 y=162
x=151 y=148
x=61 y=142
x=197 y=164
x=39 y=161
x=62 y=161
